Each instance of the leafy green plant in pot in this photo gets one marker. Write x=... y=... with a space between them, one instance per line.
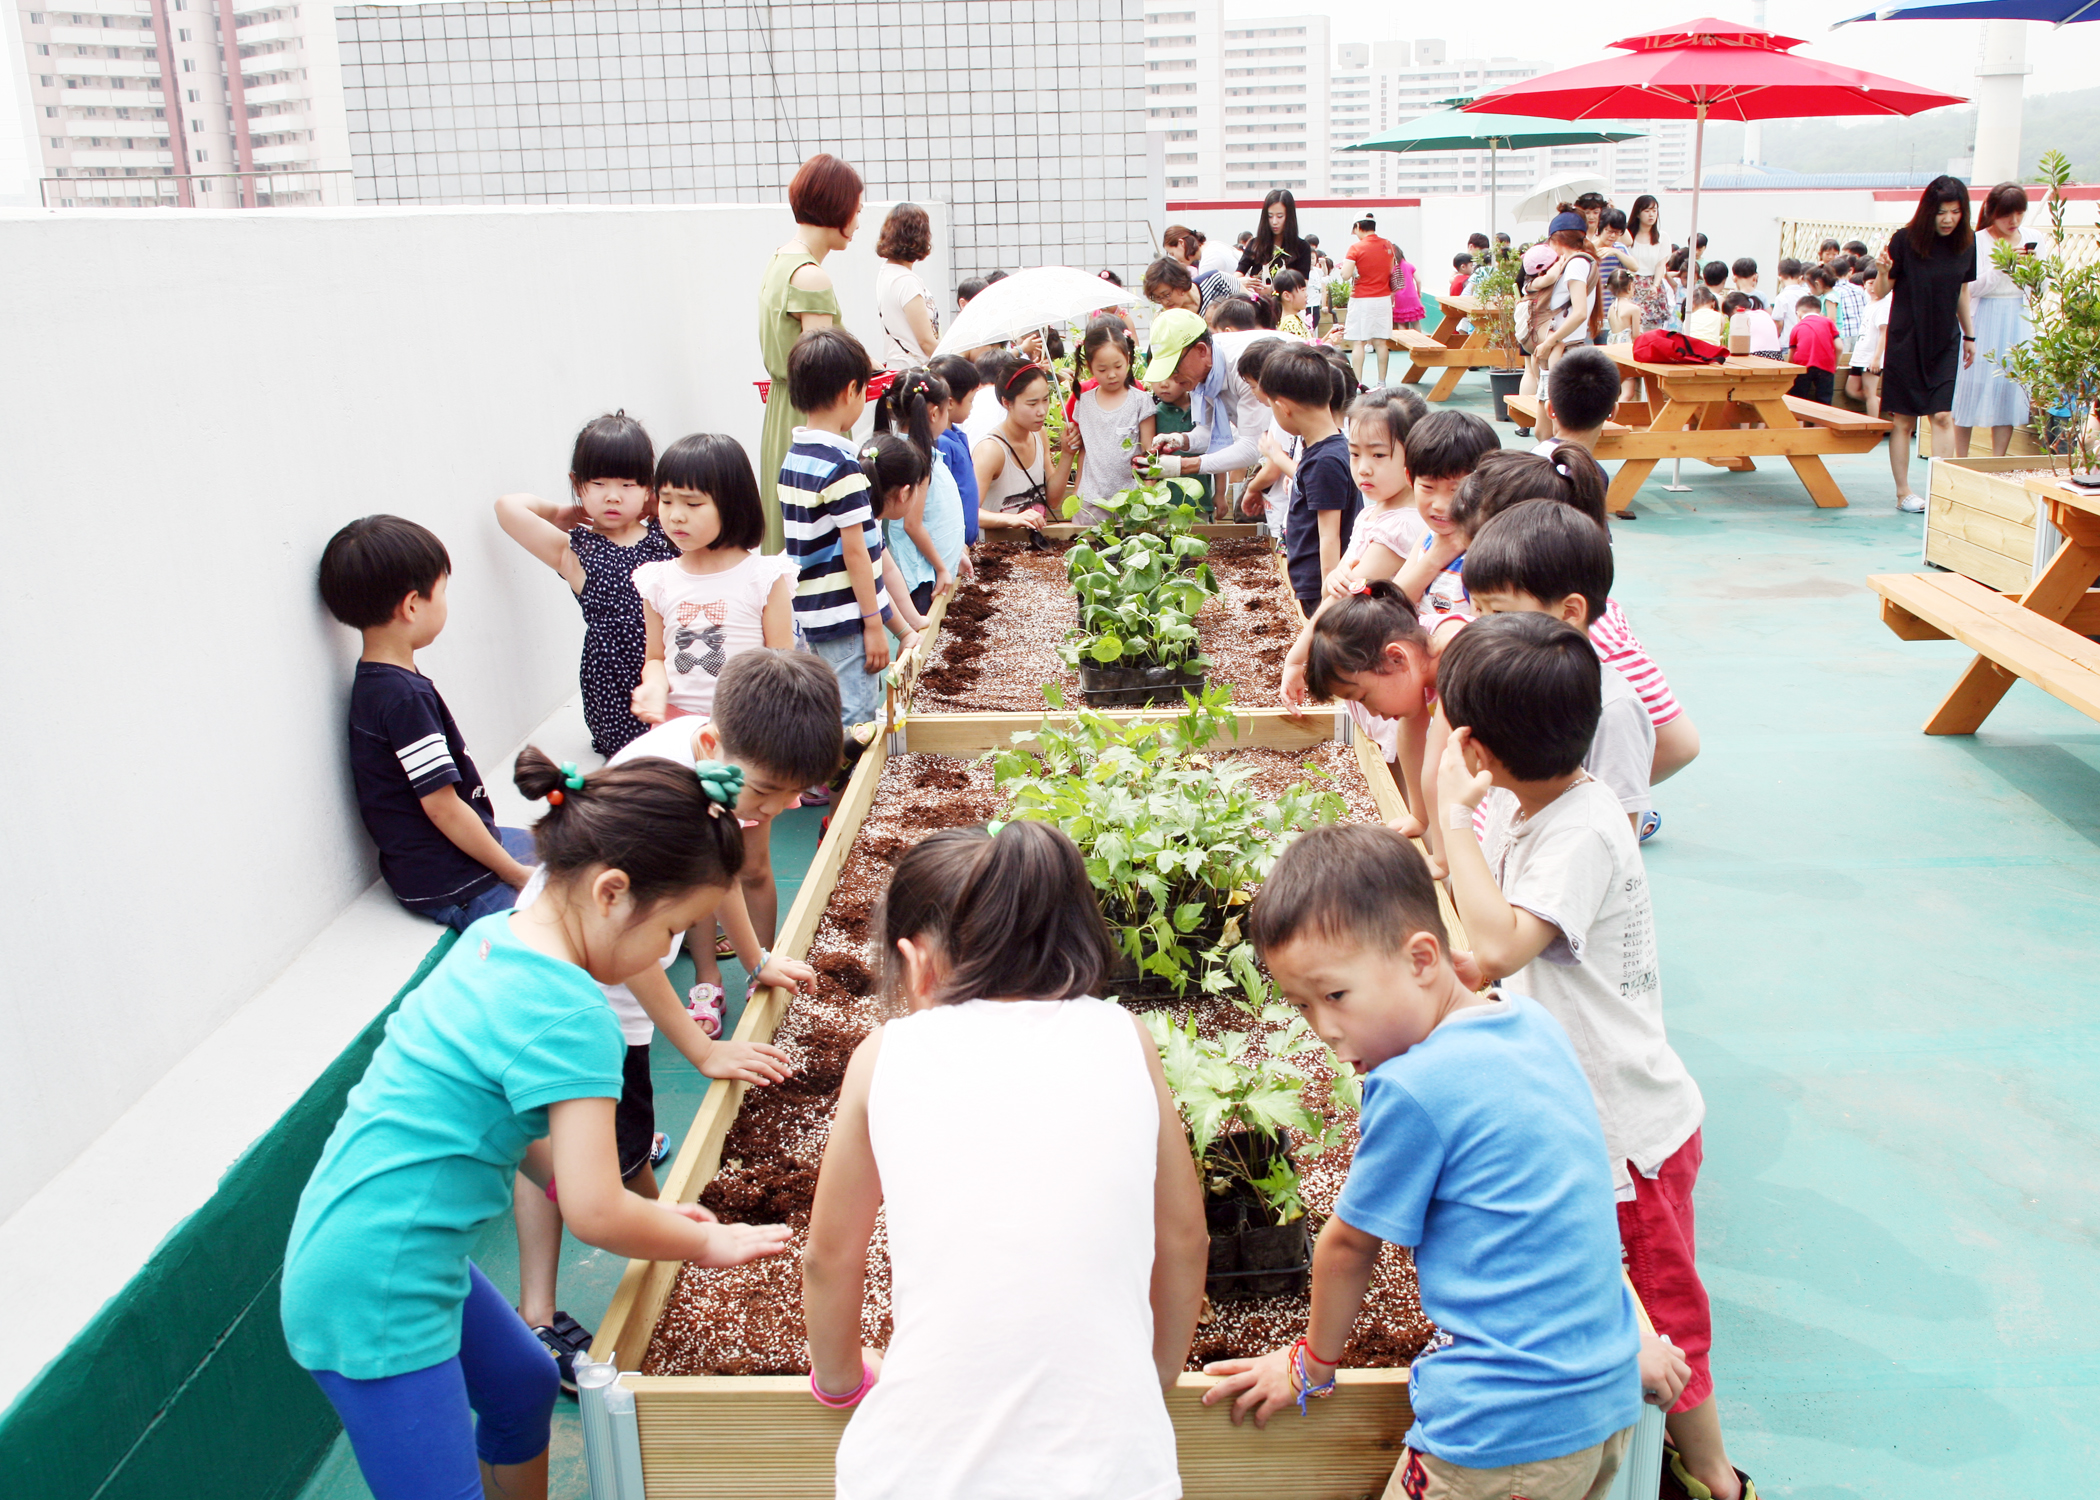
x=1500 y=291
x=1138 y=600
x=2059 y=364
x=1156 y=504
x=1238 y=1100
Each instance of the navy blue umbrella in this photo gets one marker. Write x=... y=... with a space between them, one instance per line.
x=2057 y=12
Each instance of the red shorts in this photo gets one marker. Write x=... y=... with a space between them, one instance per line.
x=1655 y=1232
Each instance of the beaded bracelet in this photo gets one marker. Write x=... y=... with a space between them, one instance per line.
x=1299 y=1353
x=851 y=1399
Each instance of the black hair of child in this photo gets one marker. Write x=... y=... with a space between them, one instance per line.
x=1352 y=633
x=1234 y=315
x=1026 y=922
x=1857 y=249
x=1736 y=302
x=1820 y=275
x=907 y=406
x=968 y=288
x=1506 y=477
x=1744 y=266
x=1462 y=261
x=614 y=446
x=1358 y=883
x=892 y=463
x=1397 y=407
x=1102 y=332
x=1287 y=281
x=1477 y=240
x=823 y=366
x=1789 y=268
x=1715 y=274
x=925 y=885
x=1449 y=444
x=994 y=365
x=1299 y=374
x=1584 y=389
x=957 y=373
x=1808 y=306
x=374 y=563
x=1546 y=550
x=779 y=709
x=718 y=467
x=1255 y=358
x=649 y=819
x=1530 y=688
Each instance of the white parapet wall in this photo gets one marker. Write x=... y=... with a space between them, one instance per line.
x=191 y=404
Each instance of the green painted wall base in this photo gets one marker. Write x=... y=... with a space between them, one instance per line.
x=181 y=1387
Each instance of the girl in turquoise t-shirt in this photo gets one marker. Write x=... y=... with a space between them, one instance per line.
x=439 y=1383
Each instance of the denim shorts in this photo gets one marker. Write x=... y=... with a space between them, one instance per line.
x=517 y=843
x=860 y=691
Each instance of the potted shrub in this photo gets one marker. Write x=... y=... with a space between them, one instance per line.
x=1981 y=519
x=1238 y=1105
x=1499 y=291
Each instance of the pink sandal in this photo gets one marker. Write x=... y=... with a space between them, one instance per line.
x=703 y=1002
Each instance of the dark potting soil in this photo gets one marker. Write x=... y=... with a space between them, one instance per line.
x=747 y=1320
x=1000 y=638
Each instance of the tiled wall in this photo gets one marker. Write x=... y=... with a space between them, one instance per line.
x=1027 y=118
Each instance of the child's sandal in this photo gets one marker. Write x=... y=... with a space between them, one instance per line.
x=703 y=1002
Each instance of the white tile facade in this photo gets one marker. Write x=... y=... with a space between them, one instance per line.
x=1027 y=118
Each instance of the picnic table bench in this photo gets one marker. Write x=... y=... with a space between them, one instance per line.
x=1448 y=349
x=1695 y=411
x=2040 y=635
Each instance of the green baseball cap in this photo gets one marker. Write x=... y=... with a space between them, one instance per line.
x=1173 y=331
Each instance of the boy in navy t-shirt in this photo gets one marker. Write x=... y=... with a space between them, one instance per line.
x=1308 y=392
x=417 y=790
x=1541 y=1366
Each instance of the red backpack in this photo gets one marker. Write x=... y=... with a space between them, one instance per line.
x=1659 y=346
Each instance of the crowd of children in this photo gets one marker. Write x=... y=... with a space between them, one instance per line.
x=1457 y=598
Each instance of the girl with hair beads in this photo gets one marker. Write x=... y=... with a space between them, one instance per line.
x=1018 y=483
x=927 y=540
x=1112 y=421
x=721 y=595
x=509 y=1040
x=1012 y=1334
x=595 y=544
x=899 y=475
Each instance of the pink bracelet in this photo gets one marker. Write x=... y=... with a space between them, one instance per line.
x=841 y=1403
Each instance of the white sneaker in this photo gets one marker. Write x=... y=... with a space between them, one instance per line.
x=1911 y=504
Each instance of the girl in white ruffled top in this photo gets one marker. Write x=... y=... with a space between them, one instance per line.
x=1046 y=1237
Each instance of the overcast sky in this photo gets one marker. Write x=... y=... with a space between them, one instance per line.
x=1940 y=54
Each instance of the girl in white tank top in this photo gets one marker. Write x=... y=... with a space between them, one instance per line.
x=1032 y=1170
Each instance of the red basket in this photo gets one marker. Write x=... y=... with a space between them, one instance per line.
x=877 y=384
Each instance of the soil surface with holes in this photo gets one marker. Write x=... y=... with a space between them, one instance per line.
x=747 y=1320
x=999 y=641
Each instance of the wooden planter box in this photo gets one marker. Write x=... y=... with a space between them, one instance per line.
x=762 y=1436
x=1986 y=526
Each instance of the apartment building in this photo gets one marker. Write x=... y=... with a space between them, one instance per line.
x=1243 y=106
x=198 y=103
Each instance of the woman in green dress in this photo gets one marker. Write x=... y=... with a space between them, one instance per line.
x=794 y=298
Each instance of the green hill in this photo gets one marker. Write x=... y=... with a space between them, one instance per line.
x=2068 y=122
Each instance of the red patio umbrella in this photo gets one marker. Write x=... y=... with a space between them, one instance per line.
x=1709 y=68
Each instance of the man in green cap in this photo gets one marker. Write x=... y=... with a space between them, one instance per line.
x=1183 y=362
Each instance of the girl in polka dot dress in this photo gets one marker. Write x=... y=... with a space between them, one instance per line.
x=595 y=544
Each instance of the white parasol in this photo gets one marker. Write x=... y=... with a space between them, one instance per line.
x=1561 y=187
x=1038 y=298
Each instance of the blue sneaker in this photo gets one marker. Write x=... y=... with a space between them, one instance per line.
x=1651 y=821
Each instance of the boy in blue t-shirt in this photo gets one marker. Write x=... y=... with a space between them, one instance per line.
x=1541 y=1367
x=417 y=790
x=1308 y=391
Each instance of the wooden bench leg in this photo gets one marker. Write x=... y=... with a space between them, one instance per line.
x=1414 y=374
x=1625 y=484
x=1817 y=481
x=1446 y=383
x=1979 y=691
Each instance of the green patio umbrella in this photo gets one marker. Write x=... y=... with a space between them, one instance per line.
x=1452 y=129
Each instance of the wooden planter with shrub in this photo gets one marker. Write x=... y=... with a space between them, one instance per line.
x=1983 y=522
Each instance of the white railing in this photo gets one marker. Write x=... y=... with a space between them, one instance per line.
x=314 y=188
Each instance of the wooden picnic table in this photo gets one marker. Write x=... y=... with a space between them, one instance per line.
x=1446 y=348
x=2041 y=635
x=1695 y=411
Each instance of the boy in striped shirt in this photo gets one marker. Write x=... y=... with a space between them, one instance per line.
x=417 y=790
x=831 y=518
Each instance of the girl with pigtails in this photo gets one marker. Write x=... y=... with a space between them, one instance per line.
x=506 y=1055
x=928 y=540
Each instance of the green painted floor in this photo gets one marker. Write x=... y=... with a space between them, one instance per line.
x=1878 y=958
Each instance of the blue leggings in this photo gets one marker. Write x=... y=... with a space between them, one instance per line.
x=416 y=1435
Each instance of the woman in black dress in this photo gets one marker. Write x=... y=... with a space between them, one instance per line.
x=1277 y=245
x=1926 y=269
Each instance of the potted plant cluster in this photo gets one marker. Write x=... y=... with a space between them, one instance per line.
x=1239 y=1098
x=1500 y=289
x=1983 y=521
x=1140 y=579
x=1175 y=840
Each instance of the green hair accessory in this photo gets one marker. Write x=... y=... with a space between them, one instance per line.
x=721 y=781
x=570 y=776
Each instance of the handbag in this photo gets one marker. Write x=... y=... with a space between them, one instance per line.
x=1661 y=347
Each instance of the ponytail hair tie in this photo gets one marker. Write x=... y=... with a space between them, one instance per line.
x=1561 y=469
x=570 y=778
x=1363 y=587
x=722 y=782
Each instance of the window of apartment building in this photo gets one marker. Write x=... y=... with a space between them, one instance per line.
x=182 y=33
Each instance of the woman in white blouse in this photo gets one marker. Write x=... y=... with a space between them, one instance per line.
x=1645 y=246
x=1984 y=395
x=909 y=332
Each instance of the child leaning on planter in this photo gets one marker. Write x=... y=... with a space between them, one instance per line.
x=1537 y=1380
x=776 y=722
x=1308 y=394
x=848 y=587
x=1554 y=899
x=509 y=1039
x=1032 y=1342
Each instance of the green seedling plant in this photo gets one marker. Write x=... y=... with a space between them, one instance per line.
x=1225 y=1083
x=1158 y=505
x=2058 y=364
x=1137 y=605
x=1174 y=842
